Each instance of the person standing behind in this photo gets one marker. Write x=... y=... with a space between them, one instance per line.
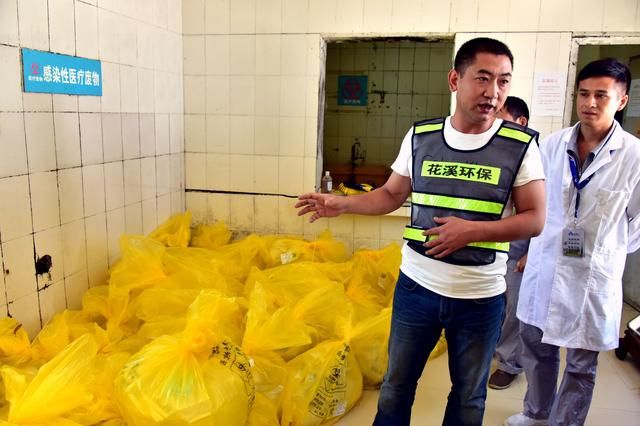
x=508 y=350
x=460 y=172
x=571 y=292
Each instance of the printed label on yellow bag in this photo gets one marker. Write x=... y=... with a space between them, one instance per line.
x=232 y=357
x=331 y=395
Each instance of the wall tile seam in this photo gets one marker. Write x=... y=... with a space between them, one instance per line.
x=3 y=282
x=32 y=234
x=7 y=44
x=135 y=19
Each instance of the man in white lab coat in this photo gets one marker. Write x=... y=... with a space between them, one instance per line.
x=571 y=292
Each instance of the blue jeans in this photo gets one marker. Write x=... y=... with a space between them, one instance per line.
x=472 y=328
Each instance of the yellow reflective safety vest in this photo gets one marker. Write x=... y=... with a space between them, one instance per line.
x=472 y=185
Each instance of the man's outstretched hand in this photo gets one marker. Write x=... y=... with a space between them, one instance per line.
x=322 y=205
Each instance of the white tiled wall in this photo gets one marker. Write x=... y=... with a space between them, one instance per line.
x=77 y=172
x=252 y=89
x=244 y=78
x=407 y=82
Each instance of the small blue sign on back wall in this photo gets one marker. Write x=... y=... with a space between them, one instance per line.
x=352 y=90
x=45 y=72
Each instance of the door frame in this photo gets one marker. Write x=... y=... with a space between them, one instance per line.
x=576 y=42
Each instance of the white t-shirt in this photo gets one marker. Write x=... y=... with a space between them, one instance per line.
x=463 y=282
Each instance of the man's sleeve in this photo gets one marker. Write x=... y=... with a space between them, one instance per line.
x=633 y=215
x=531 y=167
x=402 y=163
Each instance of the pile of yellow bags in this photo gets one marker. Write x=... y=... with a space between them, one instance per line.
x=193 y=329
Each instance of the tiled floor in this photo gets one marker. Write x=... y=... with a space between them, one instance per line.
x=616 y=399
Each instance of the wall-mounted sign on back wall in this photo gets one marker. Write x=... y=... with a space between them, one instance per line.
x=352 y=90
x=45 y=72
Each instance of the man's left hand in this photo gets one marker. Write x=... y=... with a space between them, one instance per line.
x=453 y=234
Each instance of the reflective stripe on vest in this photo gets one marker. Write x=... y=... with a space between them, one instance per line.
x=423 y=128
x=456 y=203
x=461 y=171
x=415 y=234
x=515 y=134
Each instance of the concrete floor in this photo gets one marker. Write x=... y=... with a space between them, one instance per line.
x=616 y=399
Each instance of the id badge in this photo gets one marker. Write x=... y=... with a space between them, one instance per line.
x=573 y=242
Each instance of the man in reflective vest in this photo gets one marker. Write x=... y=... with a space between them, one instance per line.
x=463 y=173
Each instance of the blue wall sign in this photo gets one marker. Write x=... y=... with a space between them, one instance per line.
x=352 y=90
x=45 y=72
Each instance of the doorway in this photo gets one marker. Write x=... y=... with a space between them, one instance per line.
x=375 y=89
x=627 y=50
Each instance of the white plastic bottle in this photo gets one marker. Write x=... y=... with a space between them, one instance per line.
x=326 y=184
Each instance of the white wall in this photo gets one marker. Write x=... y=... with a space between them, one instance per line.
x=76 y=172
x=252 y=81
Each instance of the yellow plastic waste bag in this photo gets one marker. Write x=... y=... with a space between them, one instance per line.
x=163 y=384
x=213 y=315
x=210 y=236
x=109 y=308
x=196 y=378
x=289 y=250
x=263 y=413
x=320 y=309
x=157 y=328
x=114 y=422
x=164 y=311
x=370 y=341
x=199 y=268
x=239 y=257
x=156 y=304
x=175 y=231
x=440 y=348
x=140 y=266
x=294 y=314
x=288 y=283
x=323 y=384
x=373 y=278
x=59 y=387
x=269 y=372
x=339 y=272
x=52 y=422
x=167 y=384
x=15 y=347
x=64 y=328
x=103 y=407
x=270 y=328
x=95 y=303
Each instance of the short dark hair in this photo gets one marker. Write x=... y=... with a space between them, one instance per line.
x=607 y=67
x=467 y=53
x=516 y=107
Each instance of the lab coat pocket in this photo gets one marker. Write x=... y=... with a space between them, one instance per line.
x=601 y=324
x=605 y=272
x=604 y=299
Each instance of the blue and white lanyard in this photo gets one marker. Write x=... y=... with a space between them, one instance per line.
x=575 y=174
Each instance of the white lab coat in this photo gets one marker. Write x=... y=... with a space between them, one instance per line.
x=577 y=302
